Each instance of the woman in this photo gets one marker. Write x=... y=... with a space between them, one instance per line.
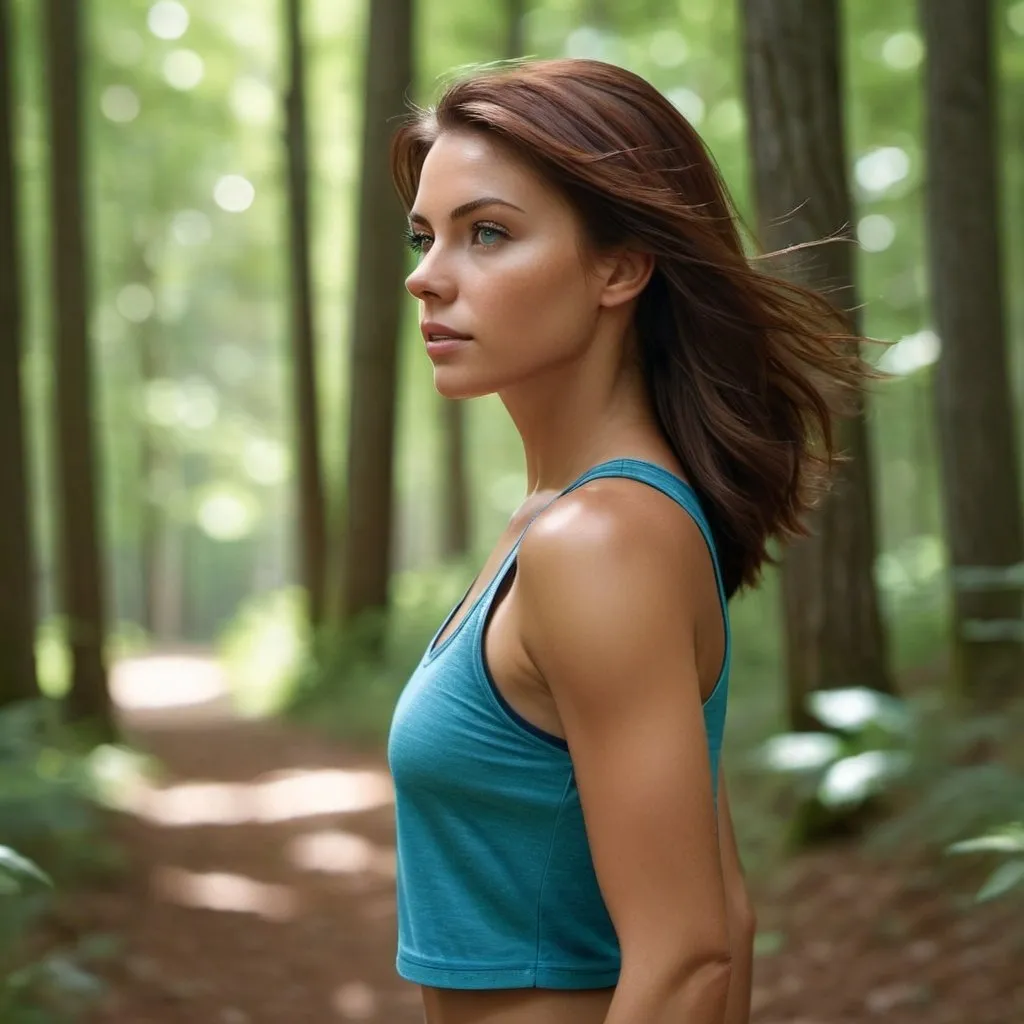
x=566 y=854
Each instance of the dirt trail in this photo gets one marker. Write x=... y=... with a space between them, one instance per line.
x=261 y=889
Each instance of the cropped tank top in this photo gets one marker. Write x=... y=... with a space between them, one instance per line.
x=495 y=883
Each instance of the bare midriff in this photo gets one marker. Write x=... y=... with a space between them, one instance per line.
x=516 y=1006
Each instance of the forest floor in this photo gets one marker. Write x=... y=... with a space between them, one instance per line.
x=261 y=876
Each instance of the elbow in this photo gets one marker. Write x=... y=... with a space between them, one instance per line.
x=697 y=988
x=742 y=924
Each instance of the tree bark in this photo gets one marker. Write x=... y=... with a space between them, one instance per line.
x=17 y=590
x=81 y=581
x=973 y=393
x=374 y=348
x=833 y=633
x=312 y=510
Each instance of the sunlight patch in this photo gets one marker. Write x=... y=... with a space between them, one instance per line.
x=355 y=1001
x=220 y=891
x=344 y=853
x=166 y=682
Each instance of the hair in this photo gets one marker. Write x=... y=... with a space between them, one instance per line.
x=744 y=370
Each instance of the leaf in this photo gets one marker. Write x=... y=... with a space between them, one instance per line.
x=14 y=864
x=1002 y=880
x=853 y=779
x=800 y=751
x=995 y=842
x=855 y=708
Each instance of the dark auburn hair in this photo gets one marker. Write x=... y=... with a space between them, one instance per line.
x=743 y=369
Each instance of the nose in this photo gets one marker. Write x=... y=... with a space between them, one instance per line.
x=430 y=279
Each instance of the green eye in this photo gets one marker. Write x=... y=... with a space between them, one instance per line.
x=488 y=235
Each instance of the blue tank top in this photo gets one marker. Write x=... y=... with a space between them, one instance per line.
x=496 y=886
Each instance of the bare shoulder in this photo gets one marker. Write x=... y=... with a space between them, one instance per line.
x=613 y=532
x=612 y=577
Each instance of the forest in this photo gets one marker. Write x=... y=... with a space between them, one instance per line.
x=235 y=509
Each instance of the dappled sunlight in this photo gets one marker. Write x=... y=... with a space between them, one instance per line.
x=166 y=681
x=221 y=891
x=355 y=1001
x=337 y=852
x=269 y=799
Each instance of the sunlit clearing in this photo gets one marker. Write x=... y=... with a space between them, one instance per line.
x=226 y=513
x=283 y=796
x=217 y=891
x=1015 y=18
x=191 y=227
x=910 y=353
x=265 y=460
x=355 y=1001
x=252 y=100
x=167 y=19
x=688 y=103
x=234 y=193
x=342 y=853
x=119 y=104
x=668 y=48
x=135 y=302
x=183 y=69
x=882 y=168
x=164 y=682
x=903 y=51
x=875 y=232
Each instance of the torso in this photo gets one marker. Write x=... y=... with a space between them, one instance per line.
x=526 y=691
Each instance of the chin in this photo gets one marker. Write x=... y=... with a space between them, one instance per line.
x=451 y=383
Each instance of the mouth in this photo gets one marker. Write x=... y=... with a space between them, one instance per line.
x=436 y=333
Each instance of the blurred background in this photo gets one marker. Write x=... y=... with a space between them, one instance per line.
x=234 y=509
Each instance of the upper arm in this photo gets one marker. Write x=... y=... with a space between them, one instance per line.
x=607 y=615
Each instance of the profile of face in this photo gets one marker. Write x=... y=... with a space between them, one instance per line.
x=505 y=293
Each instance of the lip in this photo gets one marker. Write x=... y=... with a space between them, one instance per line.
x=449 y=341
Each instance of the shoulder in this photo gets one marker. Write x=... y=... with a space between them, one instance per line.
x=612 y=531
x=610 y=576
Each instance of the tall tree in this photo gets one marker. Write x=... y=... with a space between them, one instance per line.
x=366 y=543
x=833 y=629
x=17 y=593
x=312 y=511
x=81 y=581
x=973 y=393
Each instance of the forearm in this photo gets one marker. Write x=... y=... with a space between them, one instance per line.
x=651 y=996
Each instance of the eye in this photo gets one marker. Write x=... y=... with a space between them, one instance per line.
x=417 y=240
x=488 y=235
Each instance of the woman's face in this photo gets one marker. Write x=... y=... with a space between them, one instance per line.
x=500 y=268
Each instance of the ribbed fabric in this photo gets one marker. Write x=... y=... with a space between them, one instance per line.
x=496 y=886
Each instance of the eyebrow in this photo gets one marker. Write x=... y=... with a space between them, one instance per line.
x=466 y=208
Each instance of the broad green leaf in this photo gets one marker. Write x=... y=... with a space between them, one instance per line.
x=994 y=842
x=14 y=863
x=857 y=707
x=800 y=751
x=1002 y=880
x=853 y=779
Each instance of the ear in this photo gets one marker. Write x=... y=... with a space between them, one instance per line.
x=625 y=274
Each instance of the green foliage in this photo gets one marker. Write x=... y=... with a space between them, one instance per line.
x=48 y=815
x=1010 y=874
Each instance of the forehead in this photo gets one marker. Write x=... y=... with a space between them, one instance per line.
x=463 y=165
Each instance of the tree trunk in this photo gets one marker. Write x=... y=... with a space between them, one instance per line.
x=374 y=347
x=973 y=395
x=17 y=590
x=81 y=585
x=833 y=635
x=515 y=41
x=312 y=511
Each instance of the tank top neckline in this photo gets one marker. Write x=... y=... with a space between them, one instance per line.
x=435 y=649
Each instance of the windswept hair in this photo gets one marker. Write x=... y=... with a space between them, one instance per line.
x=744 y=369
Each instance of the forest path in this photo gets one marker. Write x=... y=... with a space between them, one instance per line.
x=261 y=889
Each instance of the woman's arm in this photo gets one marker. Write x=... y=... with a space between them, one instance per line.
x=739 y=912
x=606 y=616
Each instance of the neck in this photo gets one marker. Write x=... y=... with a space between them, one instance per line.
x=579 y=414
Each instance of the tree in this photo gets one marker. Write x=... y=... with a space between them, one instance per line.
x=81 y=584
x=17 y=593
x=833 y=632
x=973 y=396
x=374 y=346
x=312 y=511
